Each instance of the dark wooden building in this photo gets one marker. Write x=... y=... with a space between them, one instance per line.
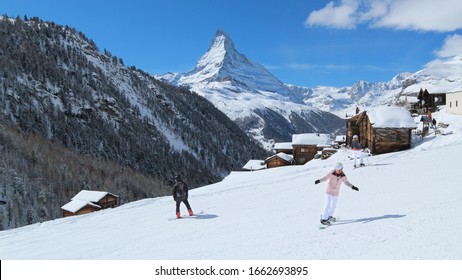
x=430 y=100
x=79 y=207
x=382 y=130
x=277 y=160
x=283 y=147
x=89 y=201
x=307 y=145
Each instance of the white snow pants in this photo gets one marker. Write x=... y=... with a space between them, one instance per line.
x=329 y=209
x=360 y=154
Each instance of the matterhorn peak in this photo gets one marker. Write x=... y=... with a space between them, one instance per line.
x=222 y=62
x=221 y=49
x=222 y=40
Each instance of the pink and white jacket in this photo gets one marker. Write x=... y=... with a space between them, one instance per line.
x=335 y=180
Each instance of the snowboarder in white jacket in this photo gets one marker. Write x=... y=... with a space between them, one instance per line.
x=180 y=194
x=336 y=177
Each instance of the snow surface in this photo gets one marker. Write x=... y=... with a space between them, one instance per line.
x=408 y=208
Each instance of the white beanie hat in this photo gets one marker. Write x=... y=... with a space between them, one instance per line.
x=339 y=166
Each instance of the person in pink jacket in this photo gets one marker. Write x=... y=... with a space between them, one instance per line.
x=336 y=178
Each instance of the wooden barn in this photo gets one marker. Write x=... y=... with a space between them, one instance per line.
x=306 y=146
x=382 y=130
x=89 y=201
x=430 y=100
x=283 y=147
x=277 y=160
x=79 y=207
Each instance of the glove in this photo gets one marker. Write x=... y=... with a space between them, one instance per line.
x=317 y=182
x=355 y=188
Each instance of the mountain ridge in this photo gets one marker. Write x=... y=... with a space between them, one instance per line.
x=439 y=75
x=263 y=106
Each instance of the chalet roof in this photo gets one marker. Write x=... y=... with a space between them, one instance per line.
x=92 y=196
x=283 y=156
x=391 y=117
x=84 y=198
x=283 y=146
x=254 y=164
x=75 y=205
x=317 y=139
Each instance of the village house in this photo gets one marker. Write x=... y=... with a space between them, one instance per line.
x=283 y=147
x=306 y=146
x=89 y=201
x=278 y=160
x=430 y=100
x=383 y=129
x=454 y=102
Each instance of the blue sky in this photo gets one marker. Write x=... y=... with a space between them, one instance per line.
x=302 y=42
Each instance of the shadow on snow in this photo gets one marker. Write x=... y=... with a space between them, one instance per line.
x=368 y=220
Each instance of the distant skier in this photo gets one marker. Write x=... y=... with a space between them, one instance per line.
x=357 y=151
x=180 y=194
x=336 y=177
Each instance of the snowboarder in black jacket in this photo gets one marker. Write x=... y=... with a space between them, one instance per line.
x=180 y=194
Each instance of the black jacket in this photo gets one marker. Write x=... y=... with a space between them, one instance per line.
x=180 y=191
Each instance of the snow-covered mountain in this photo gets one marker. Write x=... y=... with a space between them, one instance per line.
x=438 y=76
x=405 y=209
x=249 y=94
x=343 y=101
x=270 y=110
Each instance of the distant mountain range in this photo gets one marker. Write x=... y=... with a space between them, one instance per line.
x=270 y=110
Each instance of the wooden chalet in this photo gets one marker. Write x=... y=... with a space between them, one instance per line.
x=79 y=207
x=277 y=160
x=283 y=147
x=382 y=130
x=306 y=146
x=89 y=201
x=430 y=101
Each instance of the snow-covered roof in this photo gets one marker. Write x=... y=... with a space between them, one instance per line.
x=92 y=196
x=391 y=117
x=283 y=146
x=311 y=139
x=75 y=205
x=340 y=138
x=84 y=198
x=254 y=164
x=283 y=156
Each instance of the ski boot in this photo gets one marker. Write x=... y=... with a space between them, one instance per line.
x=332 y=219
